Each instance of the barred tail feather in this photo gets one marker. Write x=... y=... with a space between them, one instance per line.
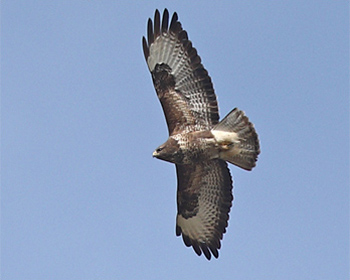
x=237 y=139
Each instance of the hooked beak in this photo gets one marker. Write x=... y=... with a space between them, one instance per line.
x=155 y=154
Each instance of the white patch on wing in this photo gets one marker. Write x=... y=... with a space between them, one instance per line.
x=201 y=226
x=160 y=51
x=192 y=227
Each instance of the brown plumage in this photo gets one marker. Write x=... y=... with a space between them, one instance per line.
x=198 y=144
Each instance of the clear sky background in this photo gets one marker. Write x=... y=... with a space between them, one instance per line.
x=81 y=195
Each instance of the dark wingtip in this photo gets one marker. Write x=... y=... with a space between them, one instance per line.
x=205 y=250
x=175 y=17
x=198 y=247
x=173 y=23
x=156 y=24
x=145 y=48
x=214 y=251
x=155 y=28
x=150 y=35
x=178 y=230
x=165 y=20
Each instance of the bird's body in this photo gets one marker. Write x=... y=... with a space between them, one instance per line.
x=198 y=144
x=189 y=147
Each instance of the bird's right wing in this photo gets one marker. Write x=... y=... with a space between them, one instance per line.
x=183 y=85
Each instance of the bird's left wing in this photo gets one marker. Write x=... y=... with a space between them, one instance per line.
x=204 y=199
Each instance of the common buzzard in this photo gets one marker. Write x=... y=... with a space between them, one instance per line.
x=198 y=143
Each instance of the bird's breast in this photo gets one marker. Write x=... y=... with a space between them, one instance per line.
x=198 y=145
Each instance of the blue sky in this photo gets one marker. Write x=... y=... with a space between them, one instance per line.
x=81 y=195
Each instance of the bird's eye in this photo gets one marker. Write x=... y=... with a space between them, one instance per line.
x=159 y=150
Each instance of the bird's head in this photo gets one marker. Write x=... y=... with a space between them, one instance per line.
x=169 y=151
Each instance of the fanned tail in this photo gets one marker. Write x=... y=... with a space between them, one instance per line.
x=237 y=139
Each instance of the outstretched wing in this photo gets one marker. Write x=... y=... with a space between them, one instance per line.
x=204 y=199
x=183 y=85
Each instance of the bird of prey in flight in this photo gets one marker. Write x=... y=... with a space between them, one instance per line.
x=199 y=144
